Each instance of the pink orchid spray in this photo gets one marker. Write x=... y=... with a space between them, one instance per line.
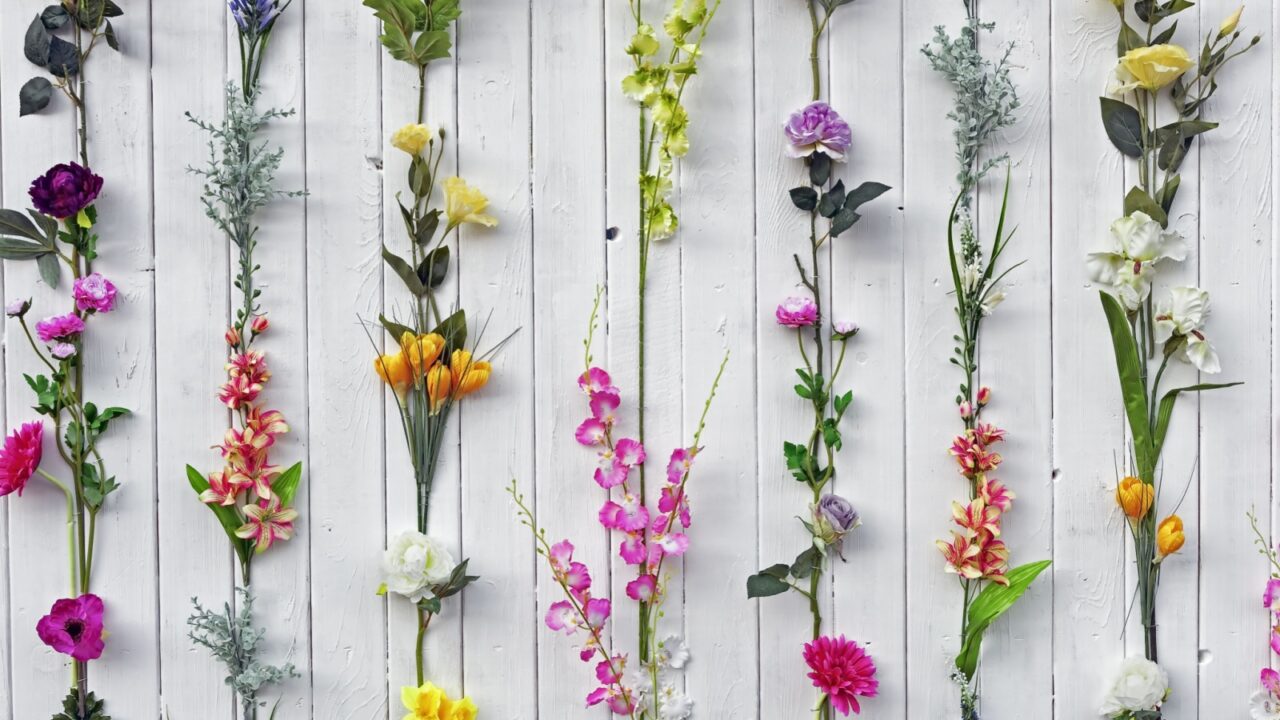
x=648 y=535
x=1265 y=703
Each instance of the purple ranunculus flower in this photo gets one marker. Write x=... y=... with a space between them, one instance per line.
x=65 y=190
x=797 y=312
x=59 y=327
x=17 y=308
x=818 y=128
x=94 y=293
x=843 y=329
x=62 y=350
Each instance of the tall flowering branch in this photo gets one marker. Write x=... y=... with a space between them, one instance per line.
x=60 y=232
x=251 y=497
x=820 y=137
x=985 y=102
x=1265 y=703
x=433 y=366
x=1147 y=334
x=650 y=534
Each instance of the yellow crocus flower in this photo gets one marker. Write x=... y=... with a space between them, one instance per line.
x=1169 y=536
x=439 y=385
x=422 y=350
x=395 y=371
x=1135 y=497
x=471 y=375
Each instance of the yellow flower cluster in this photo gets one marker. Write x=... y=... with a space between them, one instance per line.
x=420 y=357
x=431 y=703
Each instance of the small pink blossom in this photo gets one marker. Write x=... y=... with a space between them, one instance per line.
x=596 y=380
x=1271 y=681
x=562 y=617
x=591 y=432
x=797 y=312
x=611 y=472
x=632 y=551
x=966 y=410
x=222 y=489
x=679 y=464
x=629 y=452
x=1271 y=598
x=62 y=350
x=604 y=406
x=251 y=365
x=610 y=671
x=20 y=457
x=597 y=611
x=984 y=395
x=232 y=336
x=673 y=501
x=94 y=293
x=629 y=516
x=238 y=392
x=996 y=495
x=59 y=327
x=578 y=580
x=17 y=308
x=259 y=324
x=266 y=523
x=642 y=588
x=560 y=556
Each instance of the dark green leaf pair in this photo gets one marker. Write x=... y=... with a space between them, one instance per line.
x=46 y=394
x=800 y=462
x=773 y=580
x=23 y=239
x=94 y=709
x=402 y=20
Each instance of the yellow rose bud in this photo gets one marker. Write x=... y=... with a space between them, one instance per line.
x=465 y=204
x=1231 y=23
x=439 y=385
x=421 y=351
x=1155 y=67
x=1135 y=497
x=1169 y=536
x=412 y=138
x=394 y=371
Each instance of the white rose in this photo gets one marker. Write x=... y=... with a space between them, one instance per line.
x=1139 y=685
x=414 y=563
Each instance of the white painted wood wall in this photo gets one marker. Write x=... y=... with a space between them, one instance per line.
x=534 y=106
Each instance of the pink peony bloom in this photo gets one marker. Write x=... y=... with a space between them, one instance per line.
x=74 y=627
x=797 y=312
x=267 y=523
x=818 y=128
x=20 y=457
x=94 y=293
x=59 y=327
x=842 y=670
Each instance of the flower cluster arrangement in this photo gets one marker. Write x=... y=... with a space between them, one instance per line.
x=820 y=137
x=60 y=231
x=428 y=702
x=433 y=366
x=1265 y=703
x=1147 y=334
x=650 y=534
x=251 y=497
x=985 y=102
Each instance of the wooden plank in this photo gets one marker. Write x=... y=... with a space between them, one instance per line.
x=1237 y=230
x=569 y=219
x=867 y=288
x=344 y=287
x=721 y=623
x=496 y=287
x=191 y=285
x=1090 y=594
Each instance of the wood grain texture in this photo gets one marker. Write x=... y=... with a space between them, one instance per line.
x=535 y=117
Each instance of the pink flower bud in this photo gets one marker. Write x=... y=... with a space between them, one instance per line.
x=984 y=395
x=259 y=324
x=232 y=337
x=966 y=410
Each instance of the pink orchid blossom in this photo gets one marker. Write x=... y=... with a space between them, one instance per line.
x=596 y=380
x=266 y=523
x=604 y=406
x=610 y=671
x=632 y=551
x=561 y=617
x=679 y=465
x=629 y=452
x=1271 y=597
x=612 y=472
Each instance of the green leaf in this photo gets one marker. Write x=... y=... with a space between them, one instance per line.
x=1129 y=39
x=431 y=45
x=34 y=96
x=832 y=200
x=286 y=486
x=1169 y=191
x=15 y=249
x=863 y=194
x=990 y=604
x=761 y=585
x=426 y=228
x=229 y=517
x=805 y=198
x=394 y=329
x=842 y=403
x=1174 y=140
x=806 y=563
x=434 y=268
x=50 y=269
x=1165 y=414
x=1123 y=126
x=54 y=17
x=64 y=59
x=1128 y=367
x=454 y=332
x=15 y=223
x=405 y=271
x=1164 y=37
x=844 y=219
x=819 y=168
x=36 y=44
x=780 y=571
x=1138 y=200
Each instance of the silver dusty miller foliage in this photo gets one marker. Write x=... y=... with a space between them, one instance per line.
x=232 y=638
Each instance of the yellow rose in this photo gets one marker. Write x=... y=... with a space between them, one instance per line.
x=412 y=138
x=1134 y=497
x=465 y=204
x=1231 y=23
x=1154 y=67
x=423 y=703
x=1169 y=536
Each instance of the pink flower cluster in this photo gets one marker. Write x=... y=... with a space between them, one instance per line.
x=976 y=551
x=1269 y=697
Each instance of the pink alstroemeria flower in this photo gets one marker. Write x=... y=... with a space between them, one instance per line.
x=239 y=391
x=267 y=523
x=996 y=495
x=222 y=490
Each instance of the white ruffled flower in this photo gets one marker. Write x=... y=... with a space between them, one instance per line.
x=1183 y=315
x=1264 y=706
x=673 y=704
x=1128 y=265
x=672 y=653
x=414 y=563
x=1139 y=685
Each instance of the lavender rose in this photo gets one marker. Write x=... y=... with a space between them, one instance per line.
x=818 y=128
x=65 y=190
x=833 y=518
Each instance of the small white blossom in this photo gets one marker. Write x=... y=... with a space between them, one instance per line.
x=673 y=704
x=993 y=298
x=1264 y=706
x=672 y=653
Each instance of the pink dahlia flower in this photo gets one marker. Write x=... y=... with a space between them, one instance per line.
x=818 y=128
x=842 y=670
x=74 y=627
x=797 y=312
x=94 y=293
x=20 y=457
x=59 y=327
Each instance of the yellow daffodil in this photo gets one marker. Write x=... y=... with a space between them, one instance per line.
x=1169 y=536
x=395 y=371
x=423 y=703
x=465 y=204
x=1152 y=68
x=412 y=138
x=462 y=709
x=1135 y=497
x=439 y=385
x=421 y=351
x=1231 y=23
x=471 y=375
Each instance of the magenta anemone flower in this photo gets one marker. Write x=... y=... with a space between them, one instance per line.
x=94 y=293
x=797 y=312
x=65 y=190
x=74 y=627
x=842 y=670
x=59 y=327
x=20 y=457
x=818 y=128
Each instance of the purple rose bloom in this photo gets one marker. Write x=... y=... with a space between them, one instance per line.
x=818 y=128
x=797 y=312
x=94 y=293
x=833 y=518
x=59 y=327
x=65 y=190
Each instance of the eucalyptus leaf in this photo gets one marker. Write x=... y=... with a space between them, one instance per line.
x=50 y=269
